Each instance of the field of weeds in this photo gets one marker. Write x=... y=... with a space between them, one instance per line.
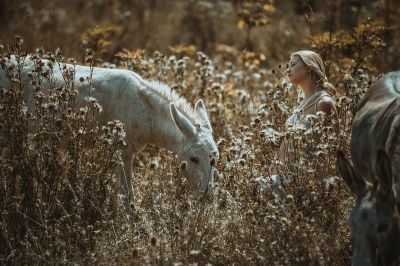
x=60 y=200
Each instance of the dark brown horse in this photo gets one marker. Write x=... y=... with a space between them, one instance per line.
x=375 y=178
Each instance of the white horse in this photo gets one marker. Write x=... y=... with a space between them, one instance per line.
x=152 y=113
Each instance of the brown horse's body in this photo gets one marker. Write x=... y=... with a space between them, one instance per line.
x=375 y=177
x=377 y=125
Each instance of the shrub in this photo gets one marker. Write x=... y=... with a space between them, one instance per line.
x=59 y=198
x=58 y=188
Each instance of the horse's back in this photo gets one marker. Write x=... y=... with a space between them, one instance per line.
x=106 y=78
x=116 y=90
x=106 y=83
x=377 y=125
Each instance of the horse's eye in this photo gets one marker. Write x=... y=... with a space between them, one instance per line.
x=382 y=227
x=194 y=159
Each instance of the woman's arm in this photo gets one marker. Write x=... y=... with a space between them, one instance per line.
x=326 y=105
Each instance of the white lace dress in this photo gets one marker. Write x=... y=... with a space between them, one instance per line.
x=298 y=118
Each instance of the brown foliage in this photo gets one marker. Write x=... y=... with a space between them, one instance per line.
x=59 y=198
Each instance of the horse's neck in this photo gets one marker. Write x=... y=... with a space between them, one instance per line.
x=163 y=131
x=166 y=134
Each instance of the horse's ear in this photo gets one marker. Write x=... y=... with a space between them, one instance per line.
x=383 y=170
x=200 y=108
x=357 y=185
x=182 y=122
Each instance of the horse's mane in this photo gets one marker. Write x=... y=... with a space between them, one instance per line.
x=171 y=95
x=390 y=118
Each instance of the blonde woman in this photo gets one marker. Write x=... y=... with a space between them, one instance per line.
x=307 y=71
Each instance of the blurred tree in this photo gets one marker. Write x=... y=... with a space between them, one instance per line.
x=304 y=6
x=2 y=10
x=349 y=13
x=391 y=19
x=347 y=52
x=198 y=24
x=254 y=13
x=99 y=38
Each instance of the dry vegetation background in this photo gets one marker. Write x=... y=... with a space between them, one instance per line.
x=61 y=206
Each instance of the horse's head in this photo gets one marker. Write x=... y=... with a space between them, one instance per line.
x=199 y=152
x=375 y=220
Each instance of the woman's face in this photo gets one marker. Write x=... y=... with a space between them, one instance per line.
x=297 y=70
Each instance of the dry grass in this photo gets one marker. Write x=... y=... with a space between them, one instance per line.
x=59 y=198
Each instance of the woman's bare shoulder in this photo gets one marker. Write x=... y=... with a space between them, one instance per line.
x=326 y=104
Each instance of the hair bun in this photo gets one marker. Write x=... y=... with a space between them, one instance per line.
x=329 y=88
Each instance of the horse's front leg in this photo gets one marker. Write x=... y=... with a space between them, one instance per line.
x=126 y=174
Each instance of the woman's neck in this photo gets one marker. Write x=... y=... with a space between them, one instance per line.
x=309 y=87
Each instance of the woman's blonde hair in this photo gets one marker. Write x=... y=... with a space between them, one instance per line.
x=315 y=63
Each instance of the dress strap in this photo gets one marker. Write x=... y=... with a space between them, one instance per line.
x=310 y=102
